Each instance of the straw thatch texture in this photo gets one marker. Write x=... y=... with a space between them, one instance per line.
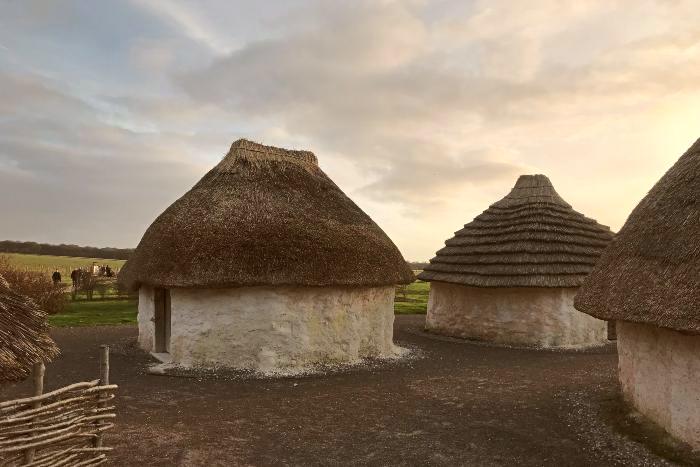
x=24 y=337
x=651 y=273
x=265 y=216
x=530 y=238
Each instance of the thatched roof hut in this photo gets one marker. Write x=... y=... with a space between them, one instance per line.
x=530 y=241
x=262 y=226
x=530 y=238
x=265 y=216
x=24 y=337
x=651 y=273
x=649 y=281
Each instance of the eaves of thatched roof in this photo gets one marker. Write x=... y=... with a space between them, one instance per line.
x=530 y=238
x=651 y=272
x=265 y=216
x=24 y=337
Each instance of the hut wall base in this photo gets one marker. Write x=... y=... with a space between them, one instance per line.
x=271 y=328
x=660 y=377
x=542 y=317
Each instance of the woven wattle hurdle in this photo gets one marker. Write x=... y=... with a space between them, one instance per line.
x=62 y=427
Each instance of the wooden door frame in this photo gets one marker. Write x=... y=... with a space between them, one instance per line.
x=162 y=320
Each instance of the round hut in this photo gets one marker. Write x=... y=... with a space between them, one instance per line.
x=649 y=281
x=510 y=275
x=24 y=335
x=265 y=264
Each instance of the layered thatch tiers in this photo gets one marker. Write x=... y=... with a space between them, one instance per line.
x=24 y=337
x=265 y=216
x=651 y=273
x=530 y=238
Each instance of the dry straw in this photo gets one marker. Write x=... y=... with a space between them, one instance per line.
x=530 y=238
x=265 y=216
x=651 y=272
x=24 y=337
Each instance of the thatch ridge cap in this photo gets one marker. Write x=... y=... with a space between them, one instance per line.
x=256 y=152
x=531 y=189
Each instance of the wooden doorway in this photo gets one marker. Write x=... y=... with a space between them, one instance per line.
x=162 y=320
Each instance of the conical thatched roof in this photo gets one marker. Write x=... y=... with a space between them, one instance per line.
x=265 y=216
x=530 y=238
x=24 y=337
x=651 y=272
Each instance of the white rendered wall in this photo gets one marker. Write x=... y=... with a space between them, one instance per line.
x=146 y=318
x=660 y=376
x=543 y=317
x=266 y=328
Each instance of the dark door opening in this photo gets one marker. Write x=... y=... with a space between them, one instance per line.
x=162 y=320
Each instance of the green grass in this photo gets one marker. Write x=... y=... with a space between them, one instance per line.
x=415 y=300
x=96 y=313
x=65 y=264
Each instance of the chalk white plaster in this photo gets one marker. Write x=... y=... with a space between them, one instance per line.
x=543 y=317
x=660 y=376
x=268 y=328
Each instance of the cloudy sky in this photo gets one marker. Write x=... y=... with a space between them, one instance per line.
x=424 y=112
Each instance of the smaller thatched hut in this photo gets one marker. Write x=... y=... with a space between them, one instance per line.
x=24 y=337
x=510 y=276
x=649 y=281
x=265 y=264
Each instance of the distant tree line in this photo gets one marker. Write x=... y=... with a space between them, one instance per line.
x=33 y=248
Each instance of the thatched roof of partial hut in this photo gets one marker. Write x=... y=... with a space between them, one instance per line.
x=24 y=336
x=651 y=272
x=530 y=238
x=265 y=216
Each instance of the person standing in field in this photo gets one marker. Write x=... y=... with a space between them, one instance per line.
x=75 y=277
x=56 y=277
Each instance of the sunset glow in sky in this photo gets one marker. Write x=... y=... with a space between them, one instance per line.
x=423 y=112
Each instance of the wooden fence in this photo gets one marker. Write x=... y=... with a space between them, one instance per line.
x=60 y=428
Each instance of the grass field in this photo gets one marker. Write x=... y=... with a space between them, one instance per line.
x=96 y=313
x=65 y=264
x=414 y=300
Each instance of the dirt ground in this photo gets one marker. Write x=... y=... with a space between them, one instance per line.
x=455 y=403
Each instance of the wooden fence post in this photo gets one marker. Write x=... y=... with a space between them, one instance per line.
x=38 y=377
x=104 y=365
x=104 y=381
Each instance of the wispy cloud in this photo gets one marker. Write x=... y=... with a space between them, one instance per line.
x=188 y=19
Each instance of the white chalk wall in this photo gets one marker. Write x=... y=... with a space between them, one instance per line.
x=543 y=317
x=660 y=376
x=265 y=328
